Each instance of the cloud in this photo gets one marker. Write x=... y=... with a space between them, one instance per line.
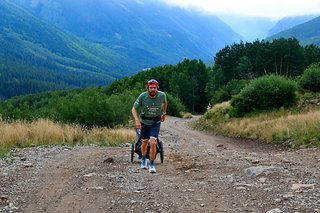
x=263 y=8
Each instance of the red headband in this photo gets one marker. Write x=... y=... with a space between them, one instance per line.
x=153 y=82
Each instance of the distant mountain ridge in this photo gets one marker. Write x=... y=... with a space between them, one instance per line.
x=250 y=28
x=307 y=33
x=289 y=22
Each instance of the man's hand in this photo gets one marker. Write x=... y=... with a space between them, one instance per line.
x=138 y=124
x=163 y=117
x=136 y=118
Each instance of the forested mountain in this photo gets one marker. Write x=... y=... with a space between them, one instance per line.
x=306 y=33
x=144 y=33
x=36 y=57
x=250 y=28
x=289 y=22
x=63 y=44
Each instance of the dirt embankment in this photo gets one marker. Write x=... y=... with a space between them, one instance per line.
x=200 y=173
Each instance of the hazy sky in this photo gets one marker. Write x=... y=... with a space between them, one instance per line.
x=274 y=9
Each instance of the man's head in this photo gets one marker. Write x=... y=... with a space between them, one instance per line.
x=152 y=86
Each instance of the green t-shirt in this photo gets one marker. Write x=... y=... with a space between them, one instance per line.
x=150 y=107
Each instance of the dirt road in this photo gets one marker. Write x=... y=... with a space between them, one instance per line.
x=200 y=173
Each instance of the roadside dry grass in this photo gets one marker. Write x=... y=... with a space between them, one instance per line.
x=282 y=126
x=46 y=132
x=185 y=115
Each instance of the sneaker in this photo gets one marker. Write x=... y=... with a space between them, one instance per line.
x=152 y=169
x=144 y=164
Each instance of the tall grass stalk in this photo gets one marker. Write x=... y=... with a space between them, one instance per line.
x=46 y=132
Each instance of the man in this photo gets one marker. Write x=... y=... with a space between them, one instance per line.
x=153 y=108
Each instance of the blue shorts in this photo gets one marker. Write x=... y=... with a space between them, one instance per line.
x=148 y=131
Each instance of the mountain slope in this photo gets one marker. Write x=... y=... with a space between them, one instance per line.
x=249 y=27
x=144 y=33
x=63 y=44
x=35 y=57
x=306 y=33
x=289 y=22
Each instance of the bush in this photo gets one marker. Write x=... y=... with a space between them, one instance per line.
x=226 y=92
x=93 y=108
x=310 y=79
x=218 y=111
x=264 y=93
x=175 y=107
x=185 y=115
